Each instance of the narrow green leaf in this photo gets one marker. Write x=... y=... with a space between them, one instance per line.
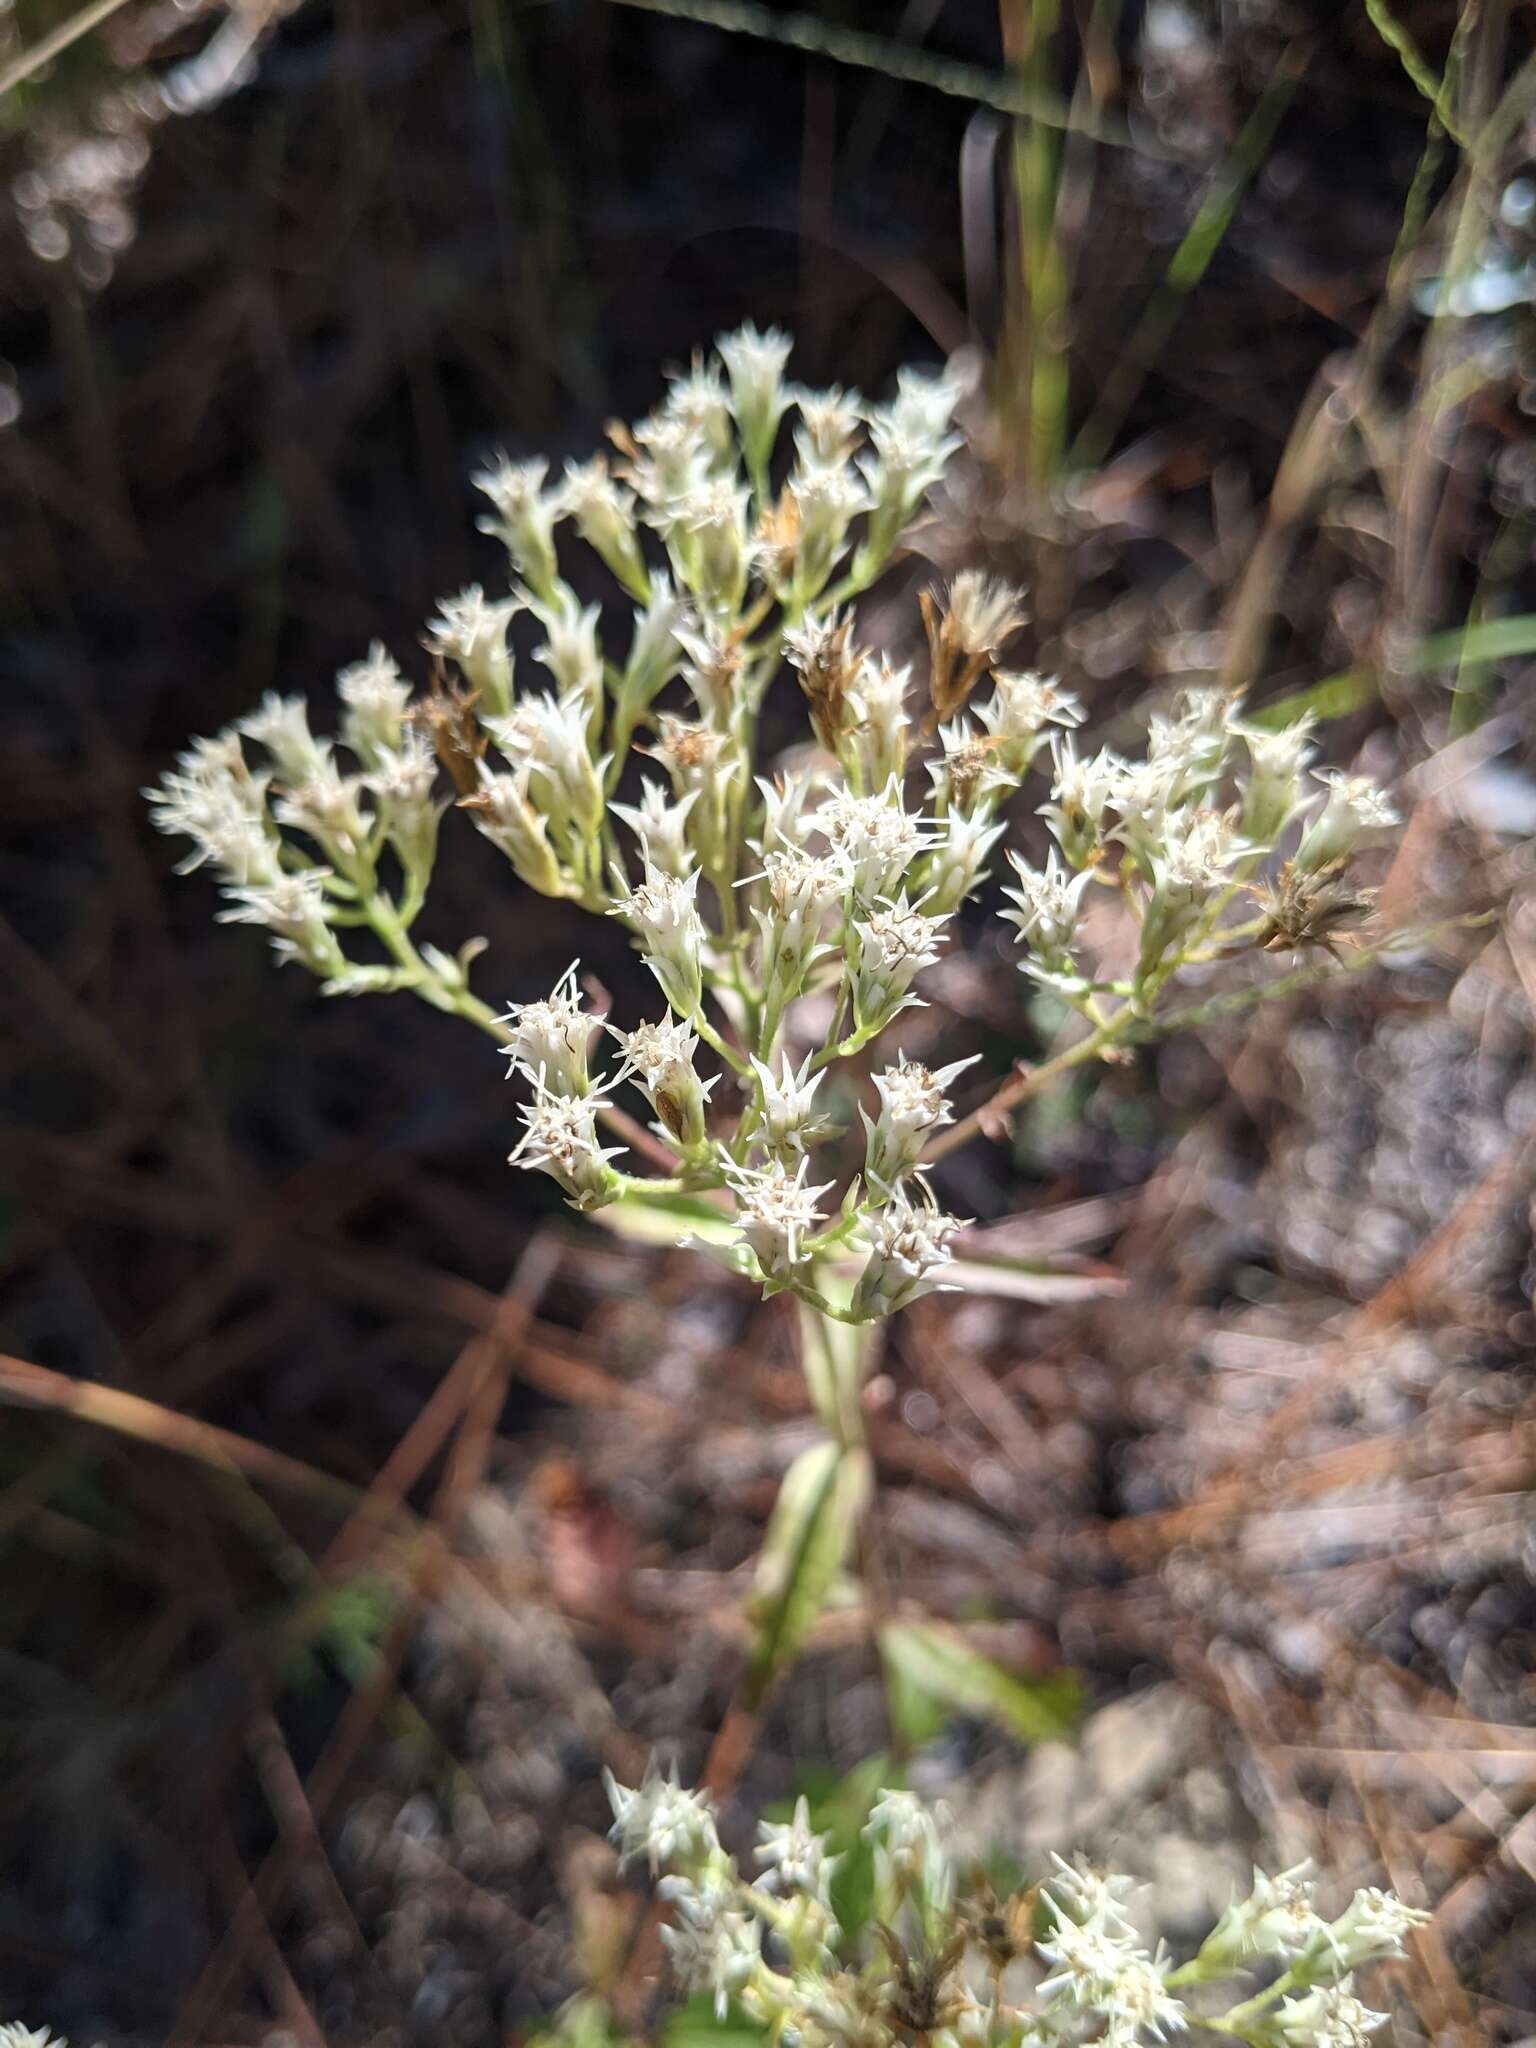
x=695 y=2025
x=664 y=1218
x=1333 y=697
x=1336 y=696
x=807 y=1542
x=940 y=1662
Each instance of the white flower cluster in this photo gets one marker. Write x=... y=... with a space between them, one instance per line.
x=773 y=1944
x=739 y=519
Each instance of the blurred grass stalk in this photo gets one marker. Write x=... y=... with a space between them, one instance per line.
x=1472 y=111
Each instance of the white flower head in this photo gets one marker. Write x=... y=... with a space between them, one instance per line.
x=659 y=1057
x=503 y=809
x=548 y=735
x=706 y=530
x=523 y=518
x=325 y=807
x=1088 y=1960
x=281 y=725
x=1189 y=742
x=1276 y=760
x=661 y=1820
x=699 y=401
x=890 y=947
x=713 y=1942
x=656 y=646
x=803 y=889
x=877 y=702
x=603 y=513
x=1089 y=1896
x=957 y=864
x=13 y=2034
x=909 y=1845
x=561 y=1140
x=876 y=838
x=971 y=772
x=468 y=630
x=1372 y=1928
x=910 y=443
x=1277 y=1918
x=374 y=698
x=401 y=781
x=1022 y=705
x=908 y=1246
x=776 y=1212
x=212 y=798
x=571 y=652
x=1084 y=788
x=913 y=1105
x=663 y=913
x=295 y=909
x=661 y=826
x=784 y=1118
x=548 y=1039
x=1141 y=2004
x=795 y=1856
x=829 y=423
x=1329 y=2017
x=1352 y=806
x=754 y=363
x=827 y=498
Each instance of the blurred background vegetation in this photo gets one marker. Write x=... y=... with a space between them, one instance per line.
x=337 y=1561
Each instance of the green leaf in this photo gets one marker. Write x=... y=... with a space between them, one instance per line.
x=940 y=1662
x=694 y=2025
x=807 y=1542
x=1336 y=696
x=664 y=1218
x=1031 y=1279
